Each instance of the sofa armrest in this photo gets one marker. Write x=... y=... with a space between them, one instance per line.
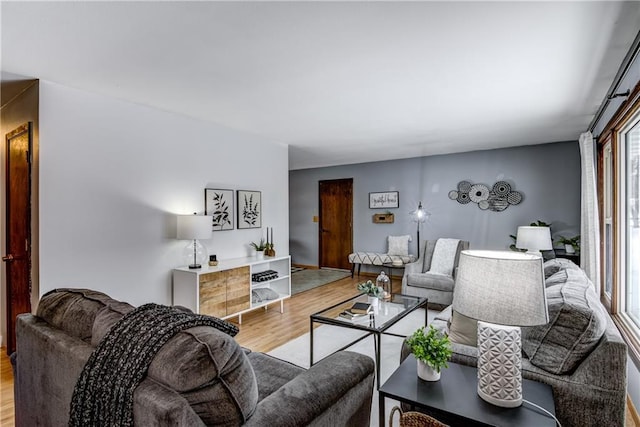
x=411 y=268
x=335 y=391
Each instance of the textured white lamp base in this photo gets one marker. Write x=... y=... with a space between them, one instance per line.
x=499 y=365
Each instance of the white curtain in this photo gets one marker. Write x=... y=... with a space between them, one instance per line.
x=589 y=221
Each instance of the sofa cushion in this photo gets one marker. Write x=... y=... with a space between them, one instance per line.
x=106 y=317
x=463 y=329
x=211 y=371
x=552 y=266
x=577 y=322
x=399 y=245
x=72 y=310
x=430 y=281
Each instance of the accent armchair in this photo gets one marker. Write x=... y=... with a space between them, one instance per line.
x=433 y=274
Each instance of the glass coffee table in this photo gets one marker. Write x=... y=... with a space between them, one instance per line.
x=387 y=314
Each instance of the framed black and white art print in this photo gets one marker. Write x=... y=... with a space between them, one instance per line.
x=249 y=209
x=384 y=200
x=219 y=204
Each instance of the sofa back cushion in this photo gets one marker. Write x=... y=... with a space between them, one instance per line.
x=577 y=321
x=73 y=310
x=211 y=371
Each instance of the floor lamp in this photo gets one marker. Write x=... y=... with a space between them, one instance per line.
x=419 y=216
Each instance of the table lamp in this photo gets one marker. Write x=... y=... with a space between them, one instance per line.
x=502 y=290
x=534 y=239
x=194 y=227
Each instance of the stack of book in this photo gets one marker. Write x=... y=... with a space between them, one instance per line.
x=357 y=310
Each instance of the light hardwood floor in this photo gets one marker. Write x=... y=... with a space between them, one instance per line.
x=260 y=331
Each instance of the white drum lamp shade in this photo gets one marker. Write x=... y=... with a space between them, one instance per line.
x=194 y=227
x=534 y=239
x=502 y=290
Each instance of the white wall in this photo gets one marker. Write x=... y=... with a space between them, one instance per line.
x=113 y=175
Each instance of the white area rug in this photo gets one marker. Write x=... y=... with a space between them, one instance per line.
x=327 y=339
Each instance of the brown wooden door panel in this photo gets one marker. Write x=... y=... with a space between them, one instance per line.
x=335 y=222
x=18 y=227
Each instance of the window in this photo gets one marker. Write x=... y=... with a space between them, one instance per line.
x=619 y=193
x=630 y=208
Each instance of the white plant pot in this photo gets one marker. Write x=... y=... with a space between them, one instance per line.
x=426 y=372
x=259 y=254
x=569 y=249
x=374 y=301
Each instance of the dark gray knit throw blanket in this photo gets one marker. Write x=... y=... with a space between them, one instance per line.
x=103 y=395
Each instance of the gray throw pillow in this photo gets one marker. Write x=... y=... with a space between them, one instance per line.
x=577 y=321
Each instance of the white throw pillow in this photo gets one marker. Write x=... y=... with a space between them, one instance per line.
x=399 y=245
x=444 y=255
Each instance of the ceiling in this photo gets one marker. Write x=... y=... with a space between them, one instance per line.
x=339 y=82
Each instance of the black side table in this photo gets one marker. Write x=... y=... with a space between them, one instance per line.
x=454 y=400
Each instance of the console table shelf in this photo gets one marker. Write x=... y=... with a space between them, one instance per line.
x=225 y=290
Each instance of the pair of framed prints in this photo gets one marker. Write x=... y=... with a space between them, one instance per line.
x=220 y=205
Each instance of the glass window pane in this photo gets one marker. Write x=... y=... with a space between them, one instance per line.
x=632 y=224
x=608 y=256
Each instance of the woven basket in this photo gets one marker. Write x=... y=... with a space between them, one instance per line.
x=414 y=419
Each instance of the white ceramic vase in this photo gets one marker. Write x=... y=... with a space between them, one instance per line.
x=569 y=249
x=374 y=301
x=426 y=372
x=259 y=254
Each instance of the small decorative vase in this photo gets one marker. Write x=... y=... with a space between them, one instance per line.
x=260 y=254
x=426 y=372
x=374 y=301
x=569 y=249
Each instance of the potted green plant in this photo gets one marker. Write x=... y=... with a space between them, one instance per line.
x=259 y=247
x=432 y=350
x=571 y=244
x=373 y=291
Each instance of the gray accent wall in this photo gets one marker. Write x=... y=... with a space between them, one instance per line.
x=548 y=175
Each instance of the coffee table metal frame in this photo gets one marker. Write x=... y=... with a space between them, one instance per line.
x=454 y=399
x=330 y=316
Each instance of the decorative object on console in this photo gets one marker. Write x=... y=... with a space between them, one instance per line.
x=432 y=350
x=496 y=199
x=249 y=209
x=219 y=205
x=419 y=216
x=213 y=260
x=268 y=250
x=502 y=290
x=571 y=244
x=384 y=200
x=534 y=239
x=259 y=247
x=194 y=227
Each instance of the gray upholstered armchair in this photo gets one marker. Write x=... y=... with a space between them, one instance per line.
x=433 y=274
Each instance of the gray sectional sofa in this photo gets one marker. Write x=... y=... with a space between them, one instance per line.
x=201 y=376
x=579 y=353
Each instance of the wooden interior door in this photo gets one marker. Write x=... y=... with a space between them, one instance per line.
x=18 y=228
x=336 y=222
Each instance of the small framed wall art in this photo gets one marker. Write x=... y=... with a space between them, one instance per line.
x=249 y=209
x=384 y=200
x=219 y=204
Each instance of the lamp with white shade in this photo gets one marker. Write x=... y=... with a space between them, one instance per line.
x=194 y=227
x=502 y=290
x=534 y=239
